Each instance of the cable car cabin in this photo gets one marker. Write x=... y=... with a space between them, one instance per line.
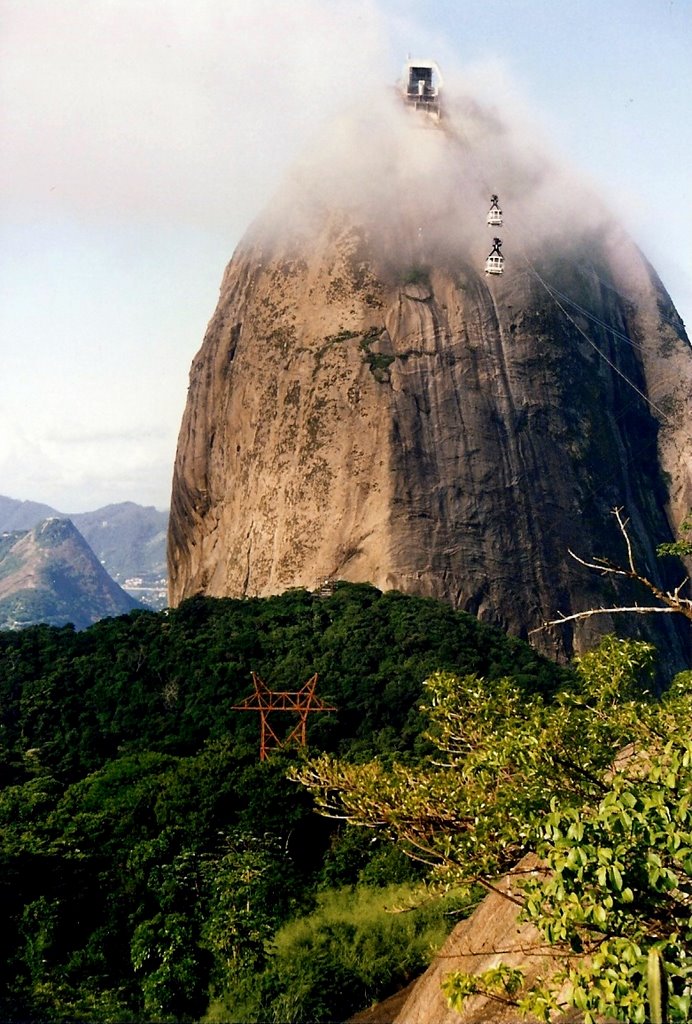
x=421 y=86
x=495 y=263
x=494 y=213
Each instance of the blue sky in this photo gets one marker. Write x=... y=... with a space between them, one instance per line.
x=141 y=137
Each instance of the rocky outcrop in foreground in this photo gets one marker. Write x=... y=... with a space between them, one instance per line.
x=490 y=936
x=368 y=405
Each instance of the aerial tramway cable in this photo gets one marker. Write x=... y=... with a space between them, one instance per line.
x=584 y=335
x=455 y=131
x=628 y=298
x=591 y=316
x=554 y=293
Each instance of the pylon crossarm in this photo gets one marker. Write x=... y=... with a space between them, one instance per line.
x=309 y=687
x=282 y=701
x=300 y=702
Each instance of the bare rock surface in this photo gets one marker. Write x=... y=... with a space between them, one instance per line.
x=367 y=405
x=492 y=935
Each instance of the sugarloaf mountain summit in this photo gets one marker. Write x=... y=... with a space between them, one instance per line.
x=436 y=364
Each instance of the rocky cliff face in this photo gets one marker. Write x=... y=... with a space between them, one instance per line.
x=368 y=405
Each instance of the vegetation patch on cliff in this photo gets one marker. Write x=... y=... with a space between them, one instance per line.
x=379 y=362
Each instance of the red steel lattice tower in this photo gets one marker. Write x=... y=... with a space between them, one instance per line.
x=301 y=702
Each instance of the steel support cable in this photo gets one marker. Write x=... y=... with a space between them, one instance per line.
x=599 y=489
x=593 y=344
x=588 y=271
x=554 y=293
x=596 y=319
x=458 y=132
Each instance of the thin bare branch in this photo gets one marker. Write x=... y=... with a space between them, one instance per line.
x=623 y=530
x=672 y=601
x=498 y=892
x=639 y=609
x=601 y=565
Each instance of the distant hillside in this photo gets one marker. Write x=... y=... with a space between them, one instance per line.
x=136 y=814
x=128 y=539
x=22 y=515
x=50 y=574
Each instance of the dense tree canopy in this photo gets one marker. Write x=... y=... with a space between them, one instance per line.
x=168 y=681
x=154 y=869
x=148 y=858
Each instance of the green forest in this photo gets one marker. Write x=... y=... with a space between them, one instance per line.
x=155 y=869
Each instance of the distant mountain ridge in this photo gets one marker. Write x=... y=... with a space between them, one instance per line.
x=50 y=574
x=23 y=515
x=128 y=539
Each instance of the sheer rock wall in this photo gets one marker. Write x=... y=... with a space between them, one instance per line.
x=367 y=405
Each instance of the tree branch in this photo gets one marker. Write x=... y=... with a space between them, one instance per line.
x=639 y=609
x=671 y=601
